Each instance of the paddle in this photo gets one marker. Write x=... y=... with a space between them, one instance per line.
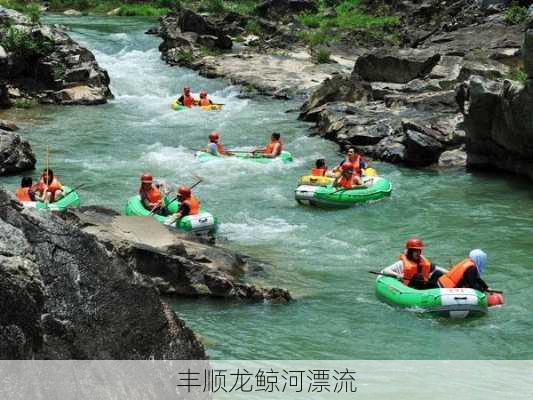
x=199 y=180
x=73 y=190
x=420 y=280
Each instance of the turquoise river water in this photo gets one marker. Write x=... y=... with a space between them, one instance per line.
x=320 y=256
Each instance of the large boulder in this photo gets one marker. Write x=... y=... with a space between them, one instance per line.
x=65 y=295
x=421 y=150
x=499 y=125
x=282 y=8
x=16 y=154
x=337 y=88
x=56 y=63
x=396 y=65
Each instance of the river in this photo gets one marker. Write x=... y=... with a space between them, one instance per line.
x=320 y=256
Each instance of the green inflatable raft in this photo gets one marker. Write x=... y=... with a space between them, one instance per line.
x=454 y=303
x=200 y=223
x=375 y=188
x=285 y=157
x=71 y=200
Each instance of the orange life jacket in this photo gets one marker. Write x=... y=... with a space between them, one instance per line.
x=356 y=161
x=188 y=101
x=452 y=278
x=411 y=268
x=205 y=102
x=346 y=183
x=272 y=146
x=54 y=186
x=194 y=205
x=318 y=171
x=153 y=195
x=23 y=194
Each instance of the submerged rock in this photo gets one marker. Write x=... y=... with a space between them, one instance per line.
x=16 y=154
x=66 y=295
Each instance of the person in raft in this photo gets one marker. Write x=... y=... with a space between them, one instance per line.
x=354 y=158
x=186 y=98
x=414 y=269
x=151 y=197
x=214 y=147
x=467 y=273
x=25 y=192
x=273 y=149
x=49 y=188
x=320 y=168
x=347 y=179
x=204 y=101
x=189 y=205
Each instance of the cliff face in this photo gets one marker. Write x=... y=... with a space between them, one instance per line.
x=499 y=120
x=65 y=295
x=43 y=63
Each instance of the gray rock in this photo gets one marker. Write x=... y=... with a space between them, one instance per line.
x=72 y=13
x=338 y=88
x=8 y=125
x=64 y=64
x=485 y=4
x=176 y=264
x=453 y=158
x=396 y=65
x=16 y=154
x=12 y=17
x=499 y=125
x=421 y=150
x=65 y=295
x=527 y=51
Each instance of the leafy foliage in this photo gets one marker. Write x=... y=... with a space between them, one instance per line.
x=515 y=14
x=23 y=44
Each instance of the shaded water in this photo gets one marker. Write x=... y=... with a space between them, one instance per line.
x=320 y=256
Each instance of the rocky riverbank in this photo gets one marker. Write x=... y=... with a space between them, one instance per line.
x=401 y=103
x=87 y=285
x=40 y=63
x=66 y=295
x=275 y=66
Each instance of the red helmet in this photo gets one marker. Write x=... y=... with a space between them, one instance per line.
x=184 y=191
x=203 y=94
x=146 y=178
x=214 y=136
x=347 y=166
x=414 y=244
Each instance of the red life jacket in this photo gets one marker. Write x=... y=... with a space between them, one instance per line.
x=356 y=161
x=318 y=171
x=53 y=187
x=411 y=268
x=193 y=204
x=271 y=147
x=188 y=100
x=452 y=278
x=153 y=195
x=23 y=194
x=205 y=102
